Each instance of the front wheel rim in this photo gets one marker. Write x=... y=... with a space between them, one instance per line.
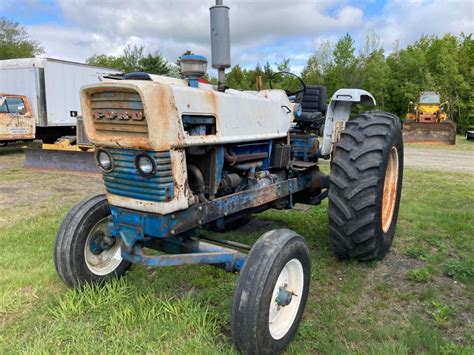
x=390 y=189
x=281 y=318
x=108 y=260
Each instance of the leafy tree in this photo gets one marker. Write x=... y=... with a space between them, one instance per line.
x=15 y=41
x=132 y=60
x=236 y=78
x=315 y=70
x=430 y=64
x=373 y=70
x=107 y=61
x=267 y=74
x=132 y=56
x=342 y=69
x=154 y=64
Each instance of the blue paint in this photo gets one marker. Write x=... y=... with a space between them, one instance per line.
x=284 y=297
x=302 y=147
x=196 y=57
x=232 y=260
x=124 y=180
x=139 y=228
x=189 y=251
x=220 y=164
x=251 y=148
x=194 y=83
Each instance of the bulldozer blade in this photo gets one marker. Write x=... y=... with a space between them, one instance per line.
x=429 y=133
x=46 y=159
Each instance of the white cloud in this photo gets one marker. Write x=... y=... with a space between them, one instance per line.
x=261 y=30
x=407 y=20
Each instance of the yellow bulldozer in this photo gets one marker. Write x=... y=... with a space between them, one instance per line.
x=427 y=121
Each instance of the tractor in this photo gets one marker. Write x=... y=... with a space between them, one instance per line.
x=427 y=121
x=179 y=155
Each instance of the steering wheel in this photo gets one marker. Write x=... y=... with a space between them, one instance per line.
x=288 y=92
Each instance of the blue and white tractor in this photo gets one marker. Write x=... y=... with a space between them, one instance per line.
x=178 y=156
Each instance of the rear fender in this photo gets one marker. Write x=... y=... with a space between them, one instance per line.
x=338 y=113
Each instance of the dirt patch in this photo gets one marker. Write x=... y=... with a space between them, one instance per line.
x=460 y=161
x=30 y=193
x=388 y=283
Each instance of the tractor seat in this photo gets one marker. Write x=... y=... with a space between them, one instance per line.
x=314 y=105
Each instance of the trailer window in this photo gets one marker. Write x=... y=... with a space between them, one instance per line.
x=3 y=106
x=15 y=105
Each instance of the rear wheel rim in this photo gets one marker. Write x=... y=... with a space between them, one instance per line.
x=281 y=318
x=108 y=260
x=390 y=189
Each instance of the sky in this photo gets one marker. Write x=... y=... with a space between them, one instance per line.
x=261 y=30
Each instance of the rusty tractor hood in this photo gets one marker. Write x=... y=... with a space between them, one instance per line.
x=149 y=114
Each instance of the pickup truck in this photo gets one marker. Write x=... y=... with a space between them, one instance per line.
x=17 y=121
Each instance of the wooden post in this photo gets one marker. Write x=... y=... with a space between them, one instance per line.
x=259 y=82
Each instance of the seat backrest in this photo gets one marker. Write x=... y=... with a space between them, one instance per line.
x=315 y=99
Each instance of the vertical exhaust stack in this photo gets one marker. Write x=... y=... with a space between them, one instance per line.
x=220 y=41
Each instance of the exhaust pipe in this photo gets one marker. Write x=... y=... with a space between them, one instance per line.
x=220 y=41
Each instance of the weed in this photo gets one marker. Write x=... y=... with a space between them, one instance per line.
x=462 y=270
x=421 y=275
x=416 y=252
x=440 y=312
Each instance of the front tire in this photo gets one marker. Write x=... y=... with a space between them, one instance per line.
x=271 y=293
x=84 y=252
x=365 y=186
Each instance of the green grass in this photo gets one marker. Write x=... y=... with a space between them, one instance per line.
x=421 y=275
x=374 y=308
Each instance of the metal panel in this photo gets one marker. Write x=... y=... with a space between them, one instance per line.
x=338 y=113
x=114 y=114
x=81 y=133
x=22 y=81
x=45 y=159
x=132 y=225
x=63 y=82
x=125 y=180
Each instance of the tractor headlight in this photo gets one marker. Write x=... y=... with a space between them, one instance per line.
x=145 y=164
x=104 y=160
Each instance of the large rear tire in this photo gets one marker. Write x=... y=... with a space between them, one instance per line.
x=84 y=252
x=271 y=293
x=365 y=186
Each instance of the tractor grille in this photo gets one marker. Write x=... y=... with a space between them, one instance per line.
x=125 y=180
x=119 y=113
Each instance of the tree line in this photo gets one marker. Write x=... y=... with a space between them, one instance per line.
x=443 y=64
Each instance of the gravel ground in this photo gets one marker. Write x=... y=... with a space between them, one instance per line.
x=459 y=161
